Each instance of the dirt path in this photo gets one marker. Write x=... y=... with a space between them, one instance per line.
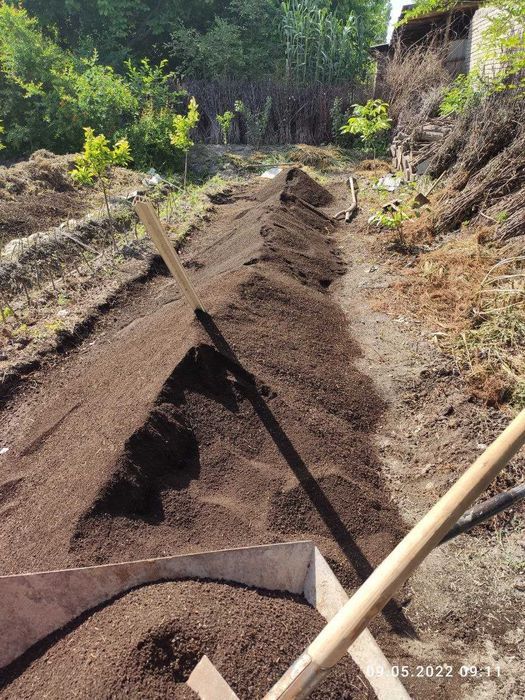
x=462 y=601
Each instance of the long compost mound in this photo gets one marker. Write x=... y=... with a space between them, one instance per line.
x=146 y=644
x=245 y=426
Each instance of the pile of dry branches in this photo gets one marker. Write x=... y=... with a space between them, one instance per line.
x=412 y=82
x=488 y=175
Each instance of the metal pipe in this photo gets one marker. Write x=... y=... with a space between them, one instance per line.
x=484 y=511
x=332 y=643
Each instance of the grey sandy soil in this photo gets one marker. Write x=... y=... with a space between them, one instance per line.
x=462 y=601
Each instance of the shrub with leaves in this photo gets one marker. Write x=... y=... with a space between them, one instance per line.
x=182 y=126
x=225 y=122
x=256 y=122
x=96 y=160
x=2 y=130
x=462 y=94
x=368 y=121
x=149 y=137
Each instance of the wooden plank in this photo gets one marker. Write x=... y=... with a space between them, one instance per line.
x=151 y=221
x=208 y=683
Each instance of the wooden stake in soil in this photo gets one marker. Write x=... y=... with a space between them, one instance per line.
x=349 y=213
x=333 y=641
x=151 y=221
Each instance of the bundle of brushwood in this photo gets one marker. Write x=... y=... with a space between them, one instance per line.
x=413 y=151
x=477 y=136
x=500 y=177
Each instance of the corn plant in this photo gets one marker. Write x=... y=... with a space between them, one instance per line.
x=96 y=160
x=181 y=134
x=320 y=47
x=225 y=122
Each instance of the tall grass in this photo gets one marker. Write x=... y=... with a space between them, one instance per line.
x=319 y=46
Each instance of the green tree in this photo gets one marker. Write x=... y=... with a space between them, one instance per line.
x=181 y=134
x=95 y=162
x=225 y=122
x=368 y=121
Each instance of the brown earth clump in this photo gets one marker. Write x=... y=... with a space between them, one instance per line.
x=147 y=642
x=296 y=183
x=38 y=194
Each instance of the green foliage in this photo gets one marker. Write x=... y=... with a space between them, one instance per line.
x=392 y=220
x=181 y=134
x=240 y=38
x=256 y=121
x=368 y=121
x=153 y=85
x=321 y=47
x=503 y=46
x=225 y=122
x=149 y=137
x=2 y=130
x=218 y=52
x=98 y=157
x=182 y=126
x=67 y=65
x=97 y=96
x=462 y=94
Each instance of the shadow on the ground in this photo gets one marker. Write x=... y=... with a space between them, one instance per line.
x=351 y=550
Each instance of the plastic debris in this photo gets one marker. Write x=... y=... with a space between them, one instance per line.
x=271 y=173
x=390 y=183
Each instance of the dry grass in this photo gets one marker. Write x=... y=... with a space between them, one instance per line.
x=373 y=168
x=413 y=81
x=443 y=286
x=323 y=157
x=475 y=302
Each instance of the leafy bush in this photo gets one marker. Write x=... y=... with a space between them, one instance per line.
x=256 y=121
x=368 y=121
x=2 y=130
x=225 y=122
x=94 y=95
x=461 y=95
x=95 y=162
x=98 y=157
x=149 y=137
x=181 y=135
x=153 y=85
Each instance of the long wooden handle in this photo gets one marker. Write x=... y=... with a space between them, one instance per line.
x=151 y=221
x=333 y=641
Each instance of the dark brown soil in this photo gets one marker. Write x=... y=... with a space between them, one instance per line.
x=175 y=434
x=147 y=643
x=38 y=194
x=297 y=183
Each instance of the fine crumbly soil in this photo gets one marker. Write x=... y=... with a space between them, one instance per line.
x=280 y=427
x=147 y=642
x=245 y=426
